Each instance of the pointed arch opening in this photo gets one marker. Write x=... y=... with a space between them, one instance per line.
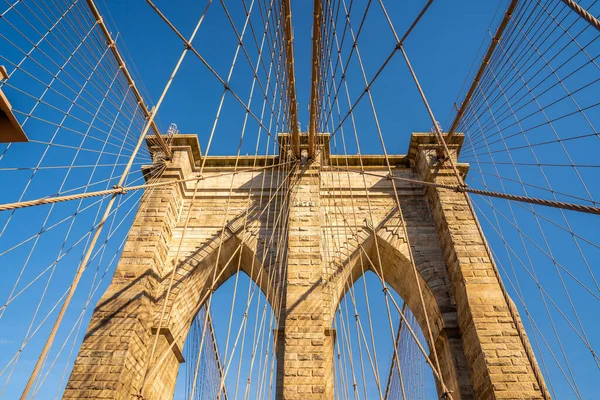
x=218 y=312
x=385 y=259
x=230 y=347
x=376 y=355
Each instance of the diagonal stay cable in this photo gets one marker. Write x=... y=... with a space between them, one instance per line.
x=80 y=269
x=226 y=86
x=489 y=193
x=118 y=189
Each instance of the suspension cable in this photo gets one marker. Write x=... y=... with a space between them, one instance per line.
x=582 y=12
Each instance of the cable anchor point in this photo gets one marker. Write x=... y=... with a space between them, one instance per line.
x=446 y=395
x=461 y=188
x=119 y=189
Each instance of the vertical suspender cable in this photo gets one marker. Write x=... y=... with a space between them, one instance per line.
x=291 y=77
x=316 y=76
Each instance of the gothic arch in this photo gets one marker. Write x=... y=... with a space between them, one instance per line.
x=396 y=270
x=196 y=273
x=387 y=256
x=223 y=298
x=468 y=311
x=226 y=253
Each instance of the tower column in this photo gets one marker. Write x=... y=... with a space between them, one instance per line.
x=115 y=352
x=305 y=340
x=497 y=353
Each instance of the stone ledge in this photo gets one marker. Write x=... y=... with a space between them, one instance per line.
x=426 y=138
x=420 y=141
x=166 y=332
x=190 y=143
x=179 y=142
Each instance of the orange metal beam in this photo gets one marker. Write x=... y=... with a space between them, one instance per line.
x=289 y=53
x=10 y=129
x=316 y=76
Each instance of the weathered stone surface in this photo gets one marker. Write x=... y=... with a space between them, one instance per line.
x=338 y=226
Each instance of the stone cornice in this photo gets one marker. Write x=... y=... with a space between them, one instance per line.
x=190 y=143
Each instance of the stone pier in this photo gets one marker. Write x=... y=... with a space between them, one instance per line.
x=339 y=224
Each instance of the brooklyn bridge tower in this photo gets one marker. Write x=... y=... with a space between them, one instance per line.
x=423 y=242
x=253 y=257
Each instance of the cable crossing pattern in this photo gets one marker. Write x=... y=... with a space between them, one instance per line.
x=226 y=199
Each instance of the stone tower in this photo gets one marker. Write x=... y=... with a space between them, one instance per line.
x=482 y=348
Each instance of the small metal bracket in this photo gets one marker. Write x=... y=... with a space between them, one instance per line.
x=121 y=189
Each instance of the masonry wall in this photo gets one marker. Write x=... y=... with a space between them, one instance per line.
x=497 y=353
x=304 y=340
x=114 y=354
x=331 y=226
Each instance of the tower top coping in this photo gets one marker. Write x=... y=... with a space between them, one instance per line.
x=191 y=144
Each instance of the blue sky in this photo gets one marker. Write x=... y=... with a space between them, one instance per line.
x=443 y=49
